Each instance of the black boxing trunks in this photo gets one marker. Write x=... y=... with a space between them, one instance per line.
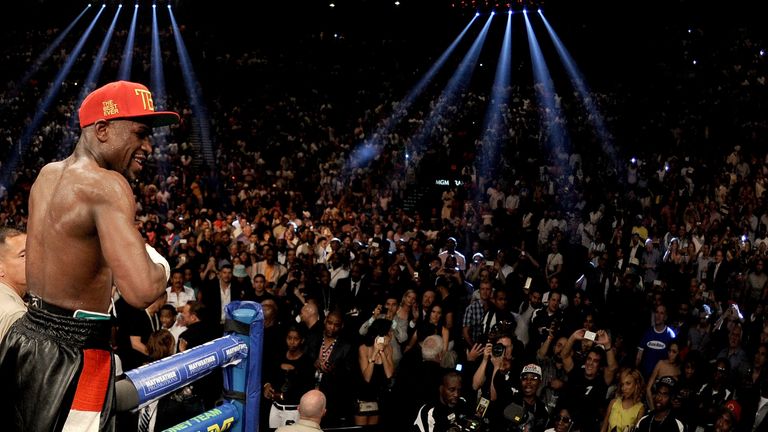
x=59 y=372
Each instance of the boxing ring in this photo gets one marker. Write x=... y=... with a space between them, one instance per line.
x=238 y=353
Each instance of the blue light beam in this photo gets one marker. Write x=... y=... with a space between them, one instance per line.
x=493 y=122
x=20 y=147
x=126 y=63
x=201 y=121
x=45 y=55
x=553 y=121
x=461 y=77
x=579 y=83
x=370 y=148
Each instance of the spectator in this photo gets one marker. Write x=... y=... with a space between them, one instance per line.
x=287 y=379
x=311 y=412
x=662 y=417
x=178 y=294
x=439 y=415
x=654 y=345
x=666 y=367
x=13 y=280
x=627 y=408
x=377 y=368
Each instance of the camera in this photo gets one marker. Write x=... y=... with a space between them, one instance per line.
x=461 y=422
x=497 y=350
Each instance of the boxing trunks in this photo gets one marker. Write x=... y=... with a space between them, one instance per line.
x=58 y=373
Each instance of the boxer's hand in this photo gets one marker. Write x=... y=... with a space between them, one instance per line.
x=159 y=259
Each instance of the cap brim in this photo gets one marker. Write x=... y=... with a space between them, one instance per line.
x=158 y=119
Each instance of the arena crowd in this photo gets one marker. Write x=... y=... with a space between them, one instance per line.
x=588 y=289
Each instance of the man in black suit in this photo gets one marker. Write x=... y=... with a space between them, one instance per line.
x=333 y=369
x=717 y=276
x=218 y=293
x=355 y=301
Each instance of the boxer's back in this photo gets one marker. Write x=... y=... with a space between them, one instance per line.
x=67 y=266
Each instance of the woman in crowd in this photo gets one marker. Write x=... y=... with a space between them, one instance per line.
x=291 y=375
x=625 y=410
x=376 y=370
x=433 y=324
x=665 y=367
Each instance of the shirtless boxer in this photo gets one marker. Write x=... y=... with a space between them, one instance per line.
x=56 y=360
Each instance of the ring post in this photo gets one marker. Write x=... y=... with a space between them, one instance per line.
x=242 y=382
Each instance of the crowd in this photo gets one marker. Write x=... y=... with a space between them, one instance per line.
x=580 y=290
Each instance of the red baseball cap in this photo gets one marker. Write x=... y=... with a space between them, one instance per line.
x=123 y=100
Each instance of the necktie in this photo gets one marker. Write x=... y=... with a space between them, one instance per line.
x=354 y=288
x=146 y=416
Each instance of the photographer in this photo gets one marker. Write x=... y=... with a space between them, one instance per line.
x=494 y=376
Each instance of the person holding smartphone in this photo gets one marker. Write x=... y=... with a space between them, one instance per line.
x=376 y=369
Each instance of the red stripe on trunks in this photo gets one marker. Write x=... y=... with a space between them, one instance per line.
x=94 y=379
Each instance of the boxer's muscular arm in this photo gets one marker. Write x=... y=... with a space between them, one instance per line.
x=138 y=278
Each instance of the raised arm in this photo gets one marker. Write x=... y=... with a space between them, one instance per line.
x=567 y=353
x=138 y=271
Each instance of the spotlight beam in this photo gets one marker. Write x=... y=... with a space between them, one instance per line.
x=447 y=98
x=45 y=55
x=201 y=121
x=579 y=83
x=126 y=64
x=557 y=136
x=493 y=122
x=157 y=80
x=370 y=148
x=20 y=147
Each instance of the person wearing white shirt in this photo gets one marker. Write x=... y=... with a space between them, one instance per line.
x=178 y=294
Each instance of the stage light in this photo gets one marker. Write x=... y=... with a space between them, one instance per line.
x=120 y=6
x=477 y=14
x=539 y=11
x=332 y=5
x=695 y=62
x=762 y=53
x=397 y=3
x=493 y=13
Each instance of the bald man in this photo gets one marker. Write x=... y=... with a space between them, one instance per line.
x=311 y=412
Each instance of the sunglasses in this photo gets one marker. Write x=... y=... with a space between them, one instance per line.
x=564 y=419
